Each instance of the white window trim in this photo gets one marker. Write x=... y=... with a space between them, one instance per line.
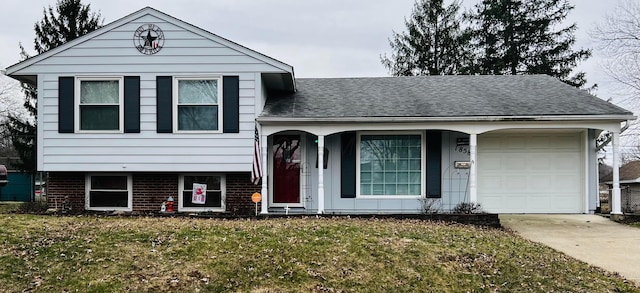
x=175 y=90
x=223 y=193
x=359 y=135
x=76 y=112
x=87 y=187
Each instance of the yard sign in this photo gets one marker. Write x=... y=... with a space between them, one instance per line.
x=199 y=195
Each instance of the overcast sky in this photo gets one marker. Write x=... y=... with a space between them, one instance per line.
x=320 y=38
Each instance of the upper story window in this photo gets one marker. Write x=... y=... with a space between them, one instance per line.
x=100 y=104
x=197 y=104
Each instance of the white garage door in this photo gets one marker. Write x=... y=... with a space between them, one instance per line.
x=530 y=173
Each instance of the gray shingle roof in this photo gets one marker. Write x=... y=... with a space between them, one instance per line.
x=628 y=171
x=435 y=96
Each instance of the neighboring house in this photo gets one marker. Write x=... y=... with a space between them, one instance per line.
x=14 y=185
x=18 y=188
x=148 y=105
x=630 y=185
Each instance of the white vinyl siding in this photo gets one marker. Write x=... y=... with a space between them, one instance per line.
x=183 y=52
x=113 y=54
x=455 y=182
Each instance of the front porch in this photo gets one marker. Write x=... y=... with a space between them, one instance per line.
x=448 y=157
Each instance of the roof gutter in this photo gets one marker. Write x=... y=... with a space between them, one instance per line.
x=449 y=119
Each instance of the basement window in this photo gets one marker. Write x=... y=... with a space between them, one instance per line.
x=214 y=195
x=107 y=192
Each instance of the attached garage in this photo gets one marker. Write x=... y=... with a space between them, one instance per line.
x=531 y=172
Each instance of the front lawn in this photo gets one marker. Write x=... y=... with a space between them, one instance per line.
x=8 y=206
x=111 y=254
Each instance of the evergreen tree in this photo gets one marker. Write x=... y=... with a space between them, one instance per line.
x=432 y=44
x=520 y=37
x=23 y=131
x=71 y=19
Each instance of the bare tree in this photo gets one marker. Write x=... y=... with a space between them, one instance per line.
x=10 y=103
x=618 y=38
x=630 y=155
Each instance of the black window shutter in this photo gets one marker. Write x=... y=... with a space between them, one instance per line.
x=434 y=164
x=231 y=104
x=66 y=104
x=164 y=106
x=348 y=165
x=132 y=104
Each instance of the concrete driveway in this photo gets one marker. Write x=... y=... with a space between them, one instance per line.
x=593 y=239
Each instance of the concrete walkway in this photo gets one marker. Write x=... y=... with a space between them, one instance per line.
x=590 y=238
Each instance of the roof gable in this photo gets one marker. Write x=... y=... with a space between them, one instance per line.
x=20 y=68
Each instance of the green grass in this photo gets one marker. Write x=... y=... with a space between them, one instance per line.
x=97 y=254
x=636 y=224
x=9 y=206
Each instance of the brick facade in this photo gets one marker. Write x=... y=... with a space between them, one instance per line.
x=239 y=191
x=149 y=191
x=65 y=187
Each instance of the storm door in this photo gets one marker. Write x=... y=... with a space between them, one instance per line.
x=287 y=160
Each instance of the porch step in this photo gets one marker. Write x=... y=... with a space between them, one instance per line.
x=292 y=211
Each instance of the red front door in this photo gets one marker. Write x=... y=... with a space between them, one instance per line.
x=286 y=169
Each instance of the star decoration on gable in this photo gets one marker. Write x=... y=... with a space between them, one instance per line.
x=148 y=40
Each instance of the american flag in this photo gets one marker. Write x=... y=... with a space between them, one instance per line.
x=256 y=172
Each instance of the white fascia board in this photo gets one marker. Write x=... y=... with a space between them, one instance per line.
x=456 y=119
x=161 y=15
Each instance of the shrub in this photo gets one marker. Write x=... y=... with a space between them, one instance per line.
x=468 y=208
x=33 y=207
x=431 y=205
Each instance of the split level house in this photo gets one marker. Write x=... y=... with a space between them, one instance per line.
x=144 y=107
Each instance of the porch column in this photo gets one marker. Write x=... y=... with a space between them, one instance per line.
x=473 y=157
x=320 y=174
x=264 y=208
x=616 y=202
